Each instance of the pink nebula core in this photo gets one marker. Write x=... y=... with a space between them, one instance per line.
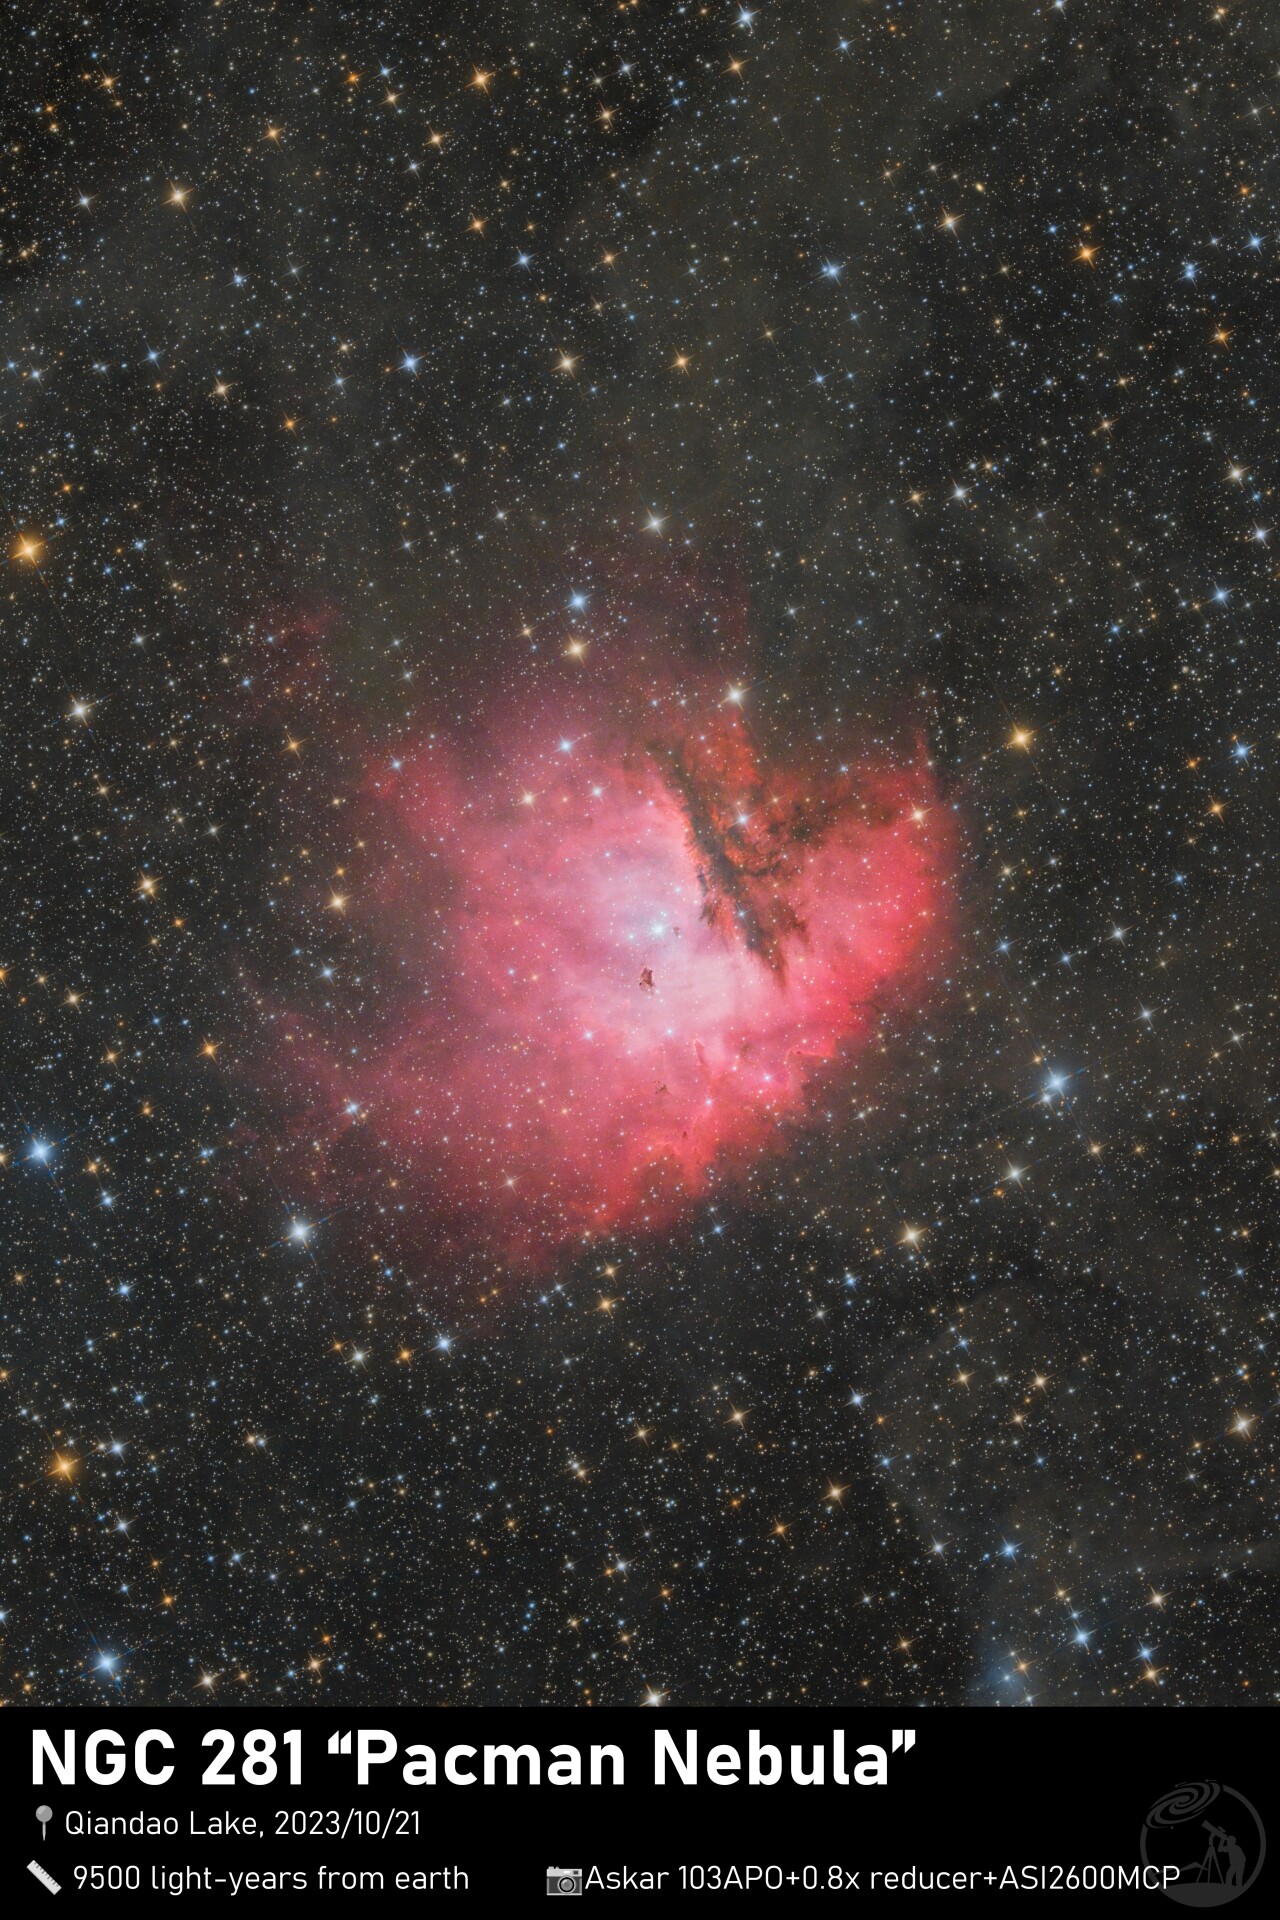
x=628 y=955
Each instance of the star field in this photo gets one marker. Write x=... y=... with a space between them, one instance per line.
x=637 y=965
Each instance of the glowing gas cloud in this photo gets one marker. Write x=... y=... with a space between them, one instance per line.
x=625 y=946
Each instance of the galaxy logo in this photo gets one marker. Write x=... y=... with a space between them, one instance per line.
x=1212 y=1835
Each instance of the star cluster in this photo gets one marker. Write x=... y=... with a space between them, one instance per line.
x=638 y=945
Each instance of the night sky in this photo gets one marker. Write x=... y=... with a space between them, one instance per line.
x=639 y=924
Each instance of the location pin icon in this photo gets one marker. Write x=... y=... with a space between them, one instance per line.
x=44 y=1815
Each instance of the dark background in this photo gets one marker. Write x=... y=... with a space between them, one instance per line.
x=976 y=479
x=980 y=1792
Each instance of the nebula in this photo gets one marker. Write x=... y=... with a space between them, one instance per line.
x=627 y=946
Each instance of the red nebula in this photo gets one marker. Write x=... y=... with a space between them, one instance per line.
x=630 y=946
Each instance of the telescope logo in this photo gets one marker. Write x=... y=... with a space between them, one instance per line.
x=1212 y=1835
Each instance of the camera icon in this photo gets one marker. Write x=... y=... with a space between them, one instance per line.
x=564 y=1879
